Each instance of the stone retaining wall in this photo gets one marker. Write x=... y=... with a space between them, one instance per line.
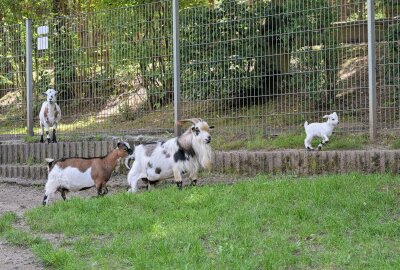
x=303 y=162
x=15 y=160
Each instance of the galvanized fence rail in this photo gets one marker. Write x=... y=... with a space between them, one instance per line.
x=248 y=67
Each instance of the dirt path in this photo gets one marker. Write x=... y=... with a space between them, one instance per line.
x=17 y=199
x=20 y=195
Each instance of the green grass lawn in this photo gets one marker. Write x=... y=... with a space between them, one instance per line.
x=327 y=222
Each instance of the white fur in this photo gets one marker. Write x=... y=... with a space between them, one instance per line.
x=162 y=158
x=53 y=116
x=322 y=130
x=59 y=177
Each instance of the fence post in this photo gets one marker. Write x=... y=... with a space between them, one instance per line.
x=29 y=77
x=176 y=56
x=372 y=69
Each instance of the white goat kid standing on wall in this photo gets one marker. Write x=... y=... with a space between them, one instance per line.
x=322 y=130
x=50 y=115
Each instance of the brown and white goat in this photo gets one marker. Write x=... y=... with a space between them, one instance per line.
x=184 y=154
x=49 y=115
x=75 y=174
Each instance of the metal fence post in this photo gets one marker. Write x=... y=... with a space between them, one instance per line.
x=29 y=77
x=372 y=69
x=176 y=56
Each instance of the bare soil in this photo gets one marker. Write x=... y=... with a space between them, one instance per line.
x=19 y=195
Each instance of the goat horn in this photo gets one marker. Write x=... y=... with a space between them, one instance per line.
x=192 y=120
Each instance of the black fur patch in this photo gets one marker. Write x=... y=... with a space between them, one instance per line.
x=158 y=170
x=180 y=156
x=85 y=188
x=183 y=154
x=167 y=155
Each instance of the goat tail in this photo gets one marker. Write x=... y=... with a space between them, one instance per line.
x=305 y=124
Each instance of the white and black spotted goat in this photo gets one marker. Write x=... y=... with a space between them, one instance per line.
x=322 y=130
x=184 y=154
x=49 y=115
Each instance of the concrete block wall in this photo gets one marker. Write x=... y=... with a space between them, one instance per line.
x=302 y=162
x=37 y=152
x=27 y=160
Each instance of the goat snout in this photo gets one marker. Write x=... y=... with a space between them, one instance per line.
x=130 y=151
x=208 y=140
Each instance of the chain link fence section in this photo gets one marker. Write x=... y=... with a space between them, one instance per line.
x=112 y=69
x=12 y=80
x=248 y=67
x=266 y=67
x=388 y=66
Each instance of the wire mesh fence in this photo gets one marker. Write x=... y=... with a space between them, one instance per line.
x=109 y=68
x=12 y=79
x=252 y=67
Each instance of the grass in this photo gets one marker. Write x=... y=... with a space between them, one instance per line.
x=343 y=221
x=56 y=257
x=289 y=141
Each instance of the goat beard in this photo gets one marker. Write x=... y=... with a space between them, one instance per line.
x=204 y=154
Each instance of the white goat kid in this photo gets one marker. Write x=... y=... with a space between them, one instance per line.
x=50 y=115
x=322 y=130
x=184 y=154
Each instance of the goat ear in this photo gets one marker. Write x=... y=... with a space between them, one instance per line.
x=325 y=116
x=44 y=94
x=193 y=128
x=118 y=144
x=211 y=127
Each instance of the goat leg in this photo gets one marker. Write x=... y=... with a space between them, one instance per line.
x=63 y=194
x=44 y=200
x=47 y=136
x=179 y=184
x=54 y=136
x=194 y=182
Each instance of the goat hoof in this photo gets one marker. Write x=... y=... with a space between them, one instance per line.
x=179 y=184
x=54 y=141
x=309 y=149
x=48 y=140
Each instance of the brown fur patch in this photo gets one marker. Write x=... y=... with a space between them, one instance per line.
x=102 y=167
x=46 y=112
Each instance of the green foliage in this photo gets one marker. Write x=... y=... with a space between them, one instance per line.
x=287 y=223
x=391 y=69
x=237 y=50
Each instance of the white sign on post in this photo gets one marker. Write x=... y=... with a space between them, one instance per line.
x=43 y=41
x=43 y=30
